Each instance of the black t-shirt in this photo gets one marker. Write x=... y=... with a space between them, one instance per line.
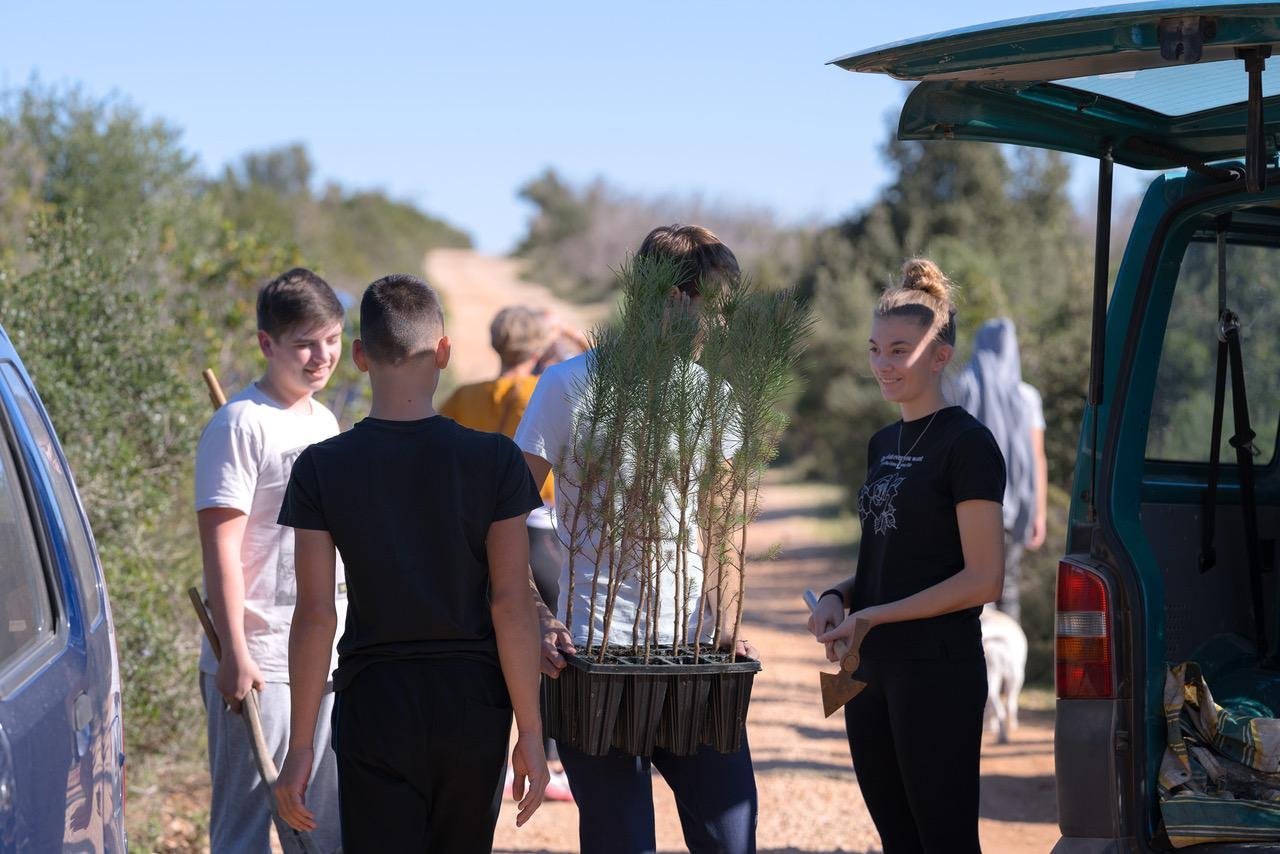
x=409 y=504
x=910 y=536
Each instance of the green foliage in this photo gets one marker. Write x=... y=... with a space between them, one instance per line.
x=670 y=392
x=578 y=235
x=99 y=157
x=350 y=237
x=109 y=361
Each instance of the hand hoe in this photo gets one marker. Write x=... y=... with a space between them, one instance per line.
x=840 y=687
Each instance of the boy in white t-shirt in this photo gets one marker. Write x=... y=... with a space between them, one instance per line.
x=243 y=462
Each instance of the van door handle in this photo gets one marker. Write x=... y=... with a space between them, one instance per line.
x=83 y=713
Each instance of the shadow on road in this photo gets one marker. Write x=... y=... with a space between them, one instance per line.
x=766 y=765
x=1009 y=798
x=816 y=733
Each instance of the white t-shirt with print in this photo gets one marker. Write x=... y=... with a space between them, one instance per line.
x=546 y=431
x=243 y=462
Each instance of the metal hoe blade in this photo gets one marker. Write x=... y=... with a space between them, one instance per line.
x=839 y=688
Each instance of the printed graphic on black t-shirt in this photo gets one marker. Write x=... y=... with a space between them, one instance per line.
x=876 y=497
x=910 y=535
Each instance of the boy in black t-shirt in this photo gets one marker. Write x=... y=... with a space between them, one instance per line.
x=441 y=639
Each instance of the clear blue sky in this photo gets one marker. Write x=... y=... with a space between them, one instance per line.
x=454 y=105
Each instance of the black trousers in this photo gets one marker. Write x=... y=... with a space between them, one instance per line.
x=421 y=747
x=915 y=733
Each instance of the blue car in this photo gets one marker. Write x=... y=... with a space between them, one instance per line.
x=61 y=745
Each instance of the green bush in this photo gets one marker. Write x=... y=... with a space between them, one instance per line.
x=108 y=359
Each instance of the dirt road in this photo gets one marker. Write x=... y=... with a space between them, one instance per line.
x=474 y=288
x=809 y=797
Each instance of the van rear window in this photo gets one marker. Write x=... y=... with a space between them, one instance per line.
x=1182 y=407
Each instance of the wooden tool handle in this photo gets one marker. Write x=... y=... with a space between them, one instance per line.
x=250 y=710
x=853 y=657
x=216 y=396
x=841 y=646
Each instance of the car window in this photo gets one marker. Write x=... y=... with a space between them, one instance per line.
x=1182 y=408
x=78 y=541
x=26 y=614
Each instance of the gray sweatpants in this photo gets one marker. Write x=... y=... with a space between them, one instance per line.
x=240 y=814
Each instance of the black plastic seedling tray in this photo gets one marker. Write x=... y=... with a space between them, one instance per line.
x=668 y=702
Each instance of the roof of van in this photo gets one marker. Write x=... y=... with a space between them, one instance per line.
x=1159 y=83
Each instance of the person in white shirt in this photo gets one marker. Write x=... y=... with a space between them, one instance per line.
x=991 y=388
x=243 y=462
x=715 y=792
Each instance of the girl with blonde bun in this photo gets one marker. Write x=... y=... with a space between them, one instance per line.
x=931 y=555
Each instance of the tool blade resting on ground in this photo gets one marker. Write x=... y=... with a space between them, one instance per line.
x=839 y=688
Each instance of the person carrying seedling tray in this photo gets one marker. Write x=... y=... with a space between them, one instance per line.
x=715 y=792
x=243 y=462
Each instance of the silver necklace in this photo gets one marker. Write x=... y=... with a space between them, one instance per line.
x=918 y=438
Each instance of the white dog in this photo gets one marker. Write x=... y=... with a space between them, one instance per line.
x=1005 y=646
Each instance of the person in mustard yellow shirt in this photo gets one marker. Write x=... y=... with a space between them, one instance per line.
x=520 y=335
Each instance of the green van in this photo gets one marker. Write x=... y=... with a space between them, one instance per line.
x=1175 y=513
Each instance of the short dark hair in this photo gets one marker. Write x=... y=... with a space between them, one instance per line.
x=298 y=299
x=400 y=316
x=703 y=257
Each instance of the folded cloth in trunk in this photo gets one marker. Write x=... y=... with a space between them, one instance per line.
x=1220 y=777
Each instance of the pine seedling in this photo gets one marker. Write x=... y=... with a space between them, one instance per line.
x=680 y=417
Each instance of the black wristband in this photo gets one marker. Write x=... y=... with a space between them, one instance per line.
x=833 y=591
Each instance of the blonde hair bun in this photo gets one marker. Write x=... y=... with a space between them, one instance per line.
x=925 y=294
x=921 y=274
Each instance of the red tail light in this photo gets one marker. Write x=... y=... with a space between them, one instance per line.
x=1084 y=649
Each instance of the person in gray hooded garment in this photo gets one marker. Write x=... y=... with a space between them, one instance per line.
x=991 y=389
